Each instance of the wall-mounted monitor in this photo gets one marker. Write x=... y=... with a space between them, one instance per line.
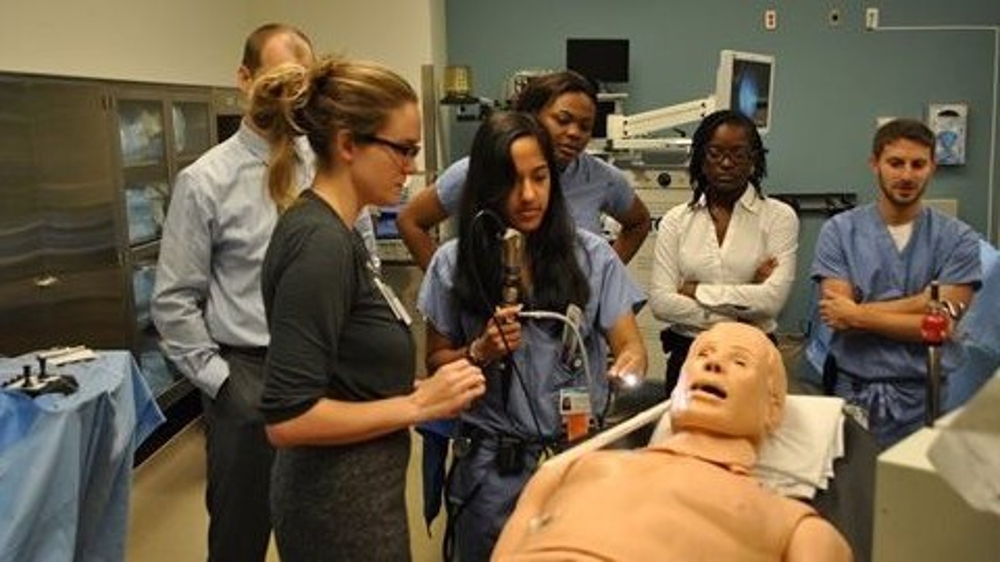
x=601 y=60
x=745 y=83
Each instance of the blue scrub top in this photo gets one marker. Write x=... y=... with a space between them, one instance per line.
x=613 y=294
x=856 y=246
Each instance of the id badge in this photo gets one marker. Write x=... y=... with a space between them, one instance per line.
x=574 y=405
x=575 y=400
x=394 y=303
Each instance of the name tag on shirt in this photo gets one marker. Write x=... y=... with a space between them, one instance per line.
x=394 y=303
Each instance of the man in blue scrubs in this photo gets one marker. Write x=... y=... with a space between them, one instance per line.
x=874 y=265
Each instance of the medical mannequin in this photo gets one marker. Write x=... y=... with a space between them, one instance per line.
x=691 y=497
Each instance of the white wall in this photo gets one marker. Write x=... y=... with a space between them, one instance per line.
x=401 y=34
x=177 y=41
x=396 y=33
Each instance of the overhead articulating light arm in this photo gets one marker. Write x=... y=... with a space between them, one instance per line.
x=626 y=132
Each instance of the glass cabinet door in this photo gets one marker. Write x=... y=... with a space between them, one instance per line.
x=144 y=167
x=192 y=130
x=140 y=126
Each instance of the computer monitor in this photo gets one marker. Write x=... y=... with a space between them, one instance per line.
x=600 y=60
x=745 y=83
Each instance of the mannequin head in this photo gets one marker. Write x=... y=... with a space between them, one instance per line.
x=732 y=384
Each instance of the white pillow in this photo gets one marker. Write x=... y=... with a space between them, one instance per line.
x=797 y=459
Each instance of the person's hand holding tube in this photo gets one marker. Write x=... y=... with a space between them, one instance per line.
x=503 y=327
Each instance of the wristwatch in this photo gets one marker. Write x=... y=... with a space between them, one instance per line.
x=473 y=357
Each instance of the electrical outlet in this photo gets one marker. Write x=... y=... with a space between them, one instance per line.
x=770 y=20
x=871 y=18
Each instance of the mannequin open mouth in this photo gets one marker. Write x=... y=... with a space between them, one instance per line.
x=708 y=388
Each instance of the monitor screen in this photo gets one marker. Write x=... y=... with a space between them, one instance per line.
x=745 y=83
x=601 y=60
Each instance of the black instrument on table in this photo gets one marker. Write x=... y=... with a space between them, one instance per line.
x=42 y=383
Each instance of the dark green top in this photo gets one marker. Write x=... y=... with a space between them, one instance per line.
x=333 y=333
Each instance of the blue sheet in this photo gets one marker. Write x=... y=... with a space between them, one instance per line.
x=66 y=461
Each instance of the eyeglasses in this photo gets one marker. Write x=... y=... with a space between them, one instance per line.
x=736 y=155
x=406 y=151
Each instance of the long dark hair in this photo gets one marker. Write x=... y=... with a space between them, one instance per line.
x=556 y=276
x=699 y=145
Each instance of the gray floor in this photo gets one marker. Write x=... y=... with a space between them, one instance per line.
x=168 y=522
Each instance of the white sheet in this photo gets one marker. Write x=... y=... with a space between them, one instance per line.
x=797 y=460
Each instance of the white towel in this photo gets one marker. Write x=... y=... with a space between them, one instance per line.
x=797 y=459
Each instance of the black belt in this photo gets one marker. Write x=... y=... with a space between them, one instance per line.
x=255 y=352
x=473 y=436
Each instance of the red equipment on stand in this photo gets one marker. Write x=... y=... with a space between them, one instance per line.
x=934 y=330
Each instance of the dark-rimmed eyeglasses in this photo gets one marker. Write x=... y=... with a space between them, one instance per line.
x=406 y=151
x=736 y=155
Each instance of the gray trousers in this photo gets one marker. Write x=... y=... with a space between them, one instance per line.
x=239 y=464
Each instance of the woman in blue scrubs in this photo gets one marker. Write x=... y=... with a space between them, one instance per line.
x=515 y=186
x=565 y=103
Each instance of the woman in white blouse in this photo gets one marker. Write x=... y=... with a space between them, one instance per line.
x=729 y=254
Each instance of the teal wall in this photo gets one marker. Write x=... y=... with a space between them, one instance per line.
x=831 y=82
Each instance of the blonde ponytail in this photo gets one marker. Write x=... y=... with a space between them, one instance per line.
x=276 y=98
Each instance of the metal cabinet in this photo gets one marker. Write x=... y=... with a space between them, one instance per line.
x=85 y=173
x=60 y=265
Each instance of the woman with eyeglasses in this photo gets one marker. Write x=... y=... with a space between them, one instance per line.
x=339 y=393
x=729 y=254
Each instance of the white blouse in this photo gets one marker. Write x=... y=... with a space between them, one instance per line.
x=687 y=250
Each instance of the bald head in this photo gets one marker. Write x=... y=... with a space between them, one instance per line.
x=733 y=383
x=271 y=45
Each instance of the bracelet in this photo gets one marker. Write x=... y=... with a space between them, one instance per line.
x=471 y=356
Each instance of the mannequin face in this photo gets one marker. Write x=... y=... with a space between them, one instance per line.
x=732 y=384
